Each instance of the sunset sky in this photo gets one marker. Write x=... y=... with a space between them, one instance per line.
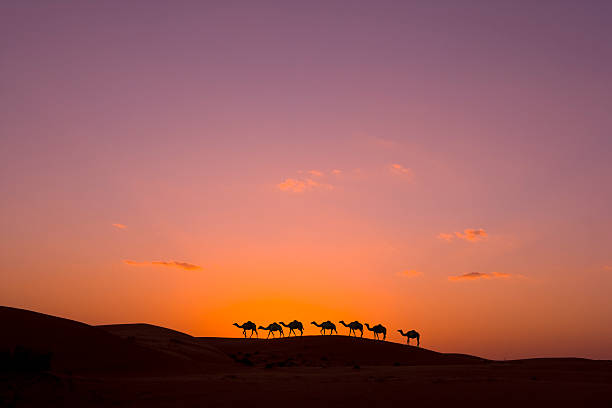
x=442 y=166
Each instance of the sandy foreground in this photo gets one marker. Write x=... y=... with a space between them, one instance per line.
x=148 y=366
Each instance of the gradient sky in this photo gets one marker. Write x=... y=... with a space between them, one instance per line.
x=439 y=165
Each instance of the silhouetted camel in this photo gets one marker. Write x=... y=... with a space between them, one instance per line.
x=326 y=326
x=272 y=327
x=294 y=325
x=379 y=328
x=353 y=326
x=248 y=326
x=412 y=334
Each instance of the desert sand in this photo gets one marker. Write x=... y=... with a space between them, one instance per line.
x=141 y=365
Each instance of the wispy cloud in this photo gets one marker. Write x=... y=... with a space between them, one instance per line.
x=119 y=226
x=398 y=169
x=300 y=185
x=177 y=264
x=479 y=275
x=608 y=267
x=172 y=264
x=336 y=171
x=316 y=173
x=470 y=235
x=410 y=273
x=445 y=237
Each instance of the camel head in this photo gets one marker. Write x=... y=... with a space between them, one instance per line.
x=342 y=322
x=236 y=324
x=401 y=332
x=315 y=323
x=262 y=328
x=368 y=326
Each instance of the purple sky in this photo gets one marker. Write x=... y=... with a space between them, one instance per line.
x=182 y=121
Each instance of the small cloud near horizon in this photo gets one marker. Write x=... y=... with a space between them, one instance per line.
x=470 y=235
x=445 y=237
x=479 y=275
x=172 y=264
x=119 y=226
x=316 y=173
x=400 y=170
x=410 y=273
x=293 y=185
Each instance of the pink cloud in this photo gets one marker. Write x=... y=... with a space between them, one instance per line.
x=173 y=264
x=470 y=235
x=479 y=275
x=400 y=170
x=293 y=185
x=411 y=273
x=445 y=237
x=119 y=226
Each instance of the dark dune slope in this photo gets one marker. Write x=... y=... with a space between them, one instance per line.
x=332 y=351
x=79 y=348
x=169 y=341
x=294 y=351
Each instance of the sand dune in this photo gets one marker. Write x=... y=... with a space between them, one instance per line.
x=80 y=348
x=141 y=365
x=332 y=351
x=310 y=351
x=169 y=342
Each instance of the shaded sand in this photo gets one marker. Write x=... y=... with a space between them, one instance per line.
x=171 y=342
x=332 y=351
x=79 y=348
x=139 y=365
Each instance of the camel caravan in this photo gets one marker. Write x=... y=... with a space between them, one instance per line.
x=294 y=326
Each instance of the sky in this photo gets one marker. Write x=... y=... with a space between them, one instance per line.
x=440 y=166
